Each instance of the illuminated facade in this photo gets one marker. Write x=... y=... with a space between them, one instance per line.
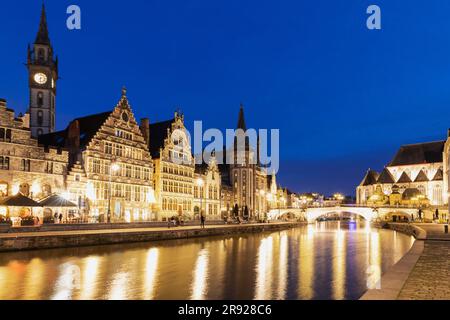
x=42 y=77
x=207 y=190
x=25 y=166
x=413 y=177
x=116 y=170
x=276 y=196
x=244 y=175
x=173 y=166
x=109 y=155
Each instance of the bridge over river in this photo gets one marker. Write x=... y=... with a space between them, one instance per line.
x=368 y=213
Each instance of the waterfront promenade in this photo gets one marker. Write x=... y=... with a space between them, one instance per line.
x=430 y=277
x=30 y=240
x=423 y=273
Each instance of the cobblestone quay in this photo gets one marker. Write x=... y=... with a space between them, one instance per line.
x=430 y=278
x=62 y=239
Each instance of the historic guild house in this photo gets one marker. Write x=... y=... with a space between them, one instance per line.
x=111 y=166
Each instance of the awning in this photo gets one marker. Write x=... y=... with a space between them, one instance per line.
x=19 y=200
x=56 y=201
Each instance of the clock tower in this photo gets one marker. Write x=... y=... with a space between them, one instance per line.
x=42 y=77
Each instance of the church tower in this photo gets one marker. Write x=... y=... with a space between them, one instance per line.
x=242 y=169
x=42 y=77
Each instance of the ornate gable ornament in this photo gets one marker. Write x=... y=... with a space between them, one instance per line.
x=123 y=102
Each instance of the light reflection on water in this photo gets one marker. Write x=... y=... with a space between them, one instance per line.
x=327 y=260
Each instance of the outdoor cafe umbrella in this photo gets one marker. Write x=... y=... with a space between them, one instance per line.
x=57 y=201
x=19 y=200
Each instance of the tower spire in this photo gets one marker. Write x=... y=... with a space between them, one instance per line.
x=42 y=35
x=43 y=74
x=241 y=120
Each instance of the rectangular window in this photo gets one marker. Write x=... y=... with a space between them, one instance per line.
x=25 y=165
x=8 y=135
x=108 y=148
x=119 y=150
x=146 y=174
x=128 y=152
x=128 y=171
x=4 y=163
x=128 y=192
x=137 y=193
x=49 y=167
x=96 y=166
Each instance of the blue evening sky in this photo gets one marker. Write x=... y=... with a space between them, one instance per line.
x=344 y=97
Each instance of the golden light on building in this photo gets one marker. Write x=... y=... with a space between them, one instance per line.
x=199 y=182
x=338 y=196
x=115 y=167
x=35 y=188
x=150 y=197
x=90 y=191
x=15 y=189
x=66 y=195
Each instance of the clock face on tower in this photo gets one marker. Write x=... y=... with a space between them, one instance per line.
x=40 y=78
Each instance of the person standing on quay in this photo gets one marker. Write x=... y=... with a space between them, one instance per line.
x=202 y=221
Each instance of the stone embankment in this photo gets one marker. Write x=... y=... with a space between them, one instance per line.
x=408 y=228
x=75 y=238
x=424 y=272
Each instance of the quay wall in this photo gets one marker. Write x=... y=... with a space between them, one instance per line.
x=409 y=229
x=97 y=226
x=49 y=240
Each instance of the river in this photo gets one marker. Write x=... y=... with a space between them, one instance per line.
x=326 y=260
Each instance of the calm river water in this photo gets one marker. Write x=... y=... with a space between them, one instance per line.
x=328 y=260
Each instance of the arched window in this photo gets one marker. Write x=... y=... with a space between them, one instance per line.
x=40 y=99
x=2 y=134
x=8 y=135
x=40 y=131
x=46 y=190
x=24 y=189
x=40 y=117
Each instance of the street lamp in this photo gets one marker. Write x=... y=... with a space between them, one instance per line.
x=114 y=168
x=200 y=184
